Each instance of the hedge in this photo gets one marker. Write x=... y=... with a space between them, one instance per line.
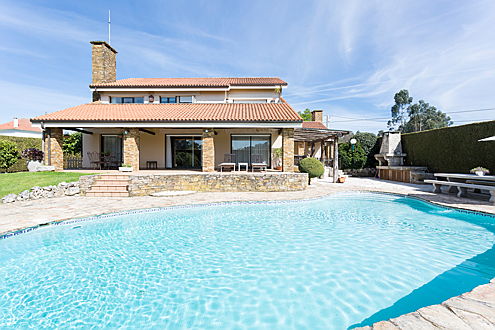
x=22 y=143
x=452 y=149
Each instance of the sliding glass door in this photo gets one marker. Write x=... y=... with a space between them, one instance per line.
x=111 y=150
x=186 y=151
x=251 y=148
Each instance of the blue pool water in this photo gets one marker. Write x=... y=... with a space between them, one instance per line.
x=331 y=263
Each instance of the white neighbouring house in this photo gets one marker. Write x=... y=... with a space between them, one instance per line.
x=20 y=127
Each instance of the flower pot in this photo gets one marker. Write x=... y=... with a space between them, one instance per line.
x=125 y=169
x=278 y=168
x=341 y=179
x=479 y=173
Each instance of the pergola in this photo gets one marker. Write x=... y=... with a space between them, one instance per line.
x=312 y=136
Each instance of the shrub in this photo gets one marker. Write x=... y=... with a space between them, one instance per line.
x=22 y=143
x=312 y=166
x=8 y=154
x=33 y=154
x=72 y=144
x=451 y=149
x=351 y=159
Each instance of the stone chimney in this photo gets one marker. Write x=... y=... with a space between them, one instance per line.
x=317 y=115
x=104 y=62
x=16 y=122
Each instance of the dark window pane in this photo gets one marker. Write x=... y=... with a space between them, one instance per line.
x=164 y=99
x=251 y=149
x=116 y=100
x=241 y=148
x=127 y=100
x=172 y=100
x=139 y=100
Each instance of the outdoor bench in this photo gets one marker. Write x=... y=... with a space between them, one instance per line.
x=462 y=188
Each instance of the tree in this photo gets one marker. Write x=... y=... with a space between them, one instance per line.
x=423 y=116
x=399 y=110
x=408 y=117
x=370 y=145
x=8 y=154
x=351 y=158
x=72 y=144
x=306 y=115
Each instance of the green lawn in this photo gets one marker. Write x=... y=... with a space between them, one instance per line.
x=14 y=183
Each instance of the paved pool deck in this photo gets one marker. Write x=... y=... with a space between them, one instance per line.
x=474 y=310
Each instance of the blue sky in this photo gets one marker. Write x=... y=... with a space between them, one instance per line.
x=346 y=57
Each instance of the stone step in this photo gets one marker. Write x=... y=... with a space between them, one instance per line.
x=107 y=193
x=108 y=188
x=111 y=182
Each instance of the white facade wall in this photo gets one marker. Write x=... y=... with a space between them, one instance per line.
x=158 y=148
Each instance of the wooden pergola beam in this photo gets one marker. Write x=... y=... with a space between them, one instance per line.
x=147 y=131
x=78 y=130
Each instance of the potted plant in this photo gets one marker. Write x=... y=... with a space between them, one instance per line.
x=125 y=168
x=341 y=179
x=480 y=171
x=277 y=158
x=34 y=158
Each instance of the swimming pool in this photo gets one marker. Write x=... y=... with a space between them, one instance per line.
x=336 y=262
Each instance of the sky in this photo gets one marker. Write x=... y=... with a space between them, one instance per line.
x=348 y=58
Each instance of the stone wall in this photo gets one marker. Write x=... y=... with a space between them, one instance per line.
x=131 y=148
x=62 y=189
x=146 y=184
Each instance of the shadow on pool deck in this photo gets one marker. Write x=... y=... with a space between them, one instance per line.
x=471 y=273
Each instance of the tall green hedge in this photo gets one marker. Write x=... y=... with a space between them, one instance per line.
x=22 y=143
x=452 y=149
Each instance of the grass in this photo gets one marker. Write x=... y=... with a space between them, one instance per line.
x=14 y=183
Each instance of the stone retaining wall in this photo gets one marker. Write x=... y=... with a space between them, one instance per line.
x=146 y=184
x=62 y=189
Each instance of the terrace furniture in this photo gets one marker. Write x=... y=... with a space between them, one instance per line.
x=462 y=187
x=228 y=162
x=151 y=164
x=95 y=160
x=246 y=166
x=460 y=177
x=110 y=161
x=258 y=163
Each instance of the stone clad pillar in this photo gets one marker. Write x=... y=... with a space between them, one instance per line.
x=131 y=148
x=288 y=148
x=208 y=151
x=52 y=148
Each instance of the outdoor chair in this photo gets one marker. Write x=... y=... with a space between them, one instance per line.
x=228 y=162
x=257 y=162
x=95 y=160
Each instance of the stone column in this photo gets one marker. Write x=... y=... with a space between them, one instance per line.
x=208 y=151
x=131 y=148
x=53 y=153
x=335 y=159
x=288 y=147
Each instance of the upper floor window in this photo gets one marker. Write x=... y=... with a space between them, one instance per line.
x=176 y=99
x=120 y=100
x=164 y=99
x=185 y=99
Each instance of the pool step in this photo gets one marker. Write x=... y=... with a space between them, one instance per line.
x=108 y=185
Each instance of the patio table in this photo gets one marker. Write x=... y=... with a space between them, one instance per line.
x=460 y=177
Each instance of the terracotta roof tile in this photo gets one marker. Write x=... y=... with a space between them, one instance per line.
x=313 y=124
x=192 y=112
x=24 y=125
x=193 y=82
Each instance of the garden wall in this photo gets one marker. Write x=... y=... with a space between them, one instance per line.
x=22 y=143
x=451 y=149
